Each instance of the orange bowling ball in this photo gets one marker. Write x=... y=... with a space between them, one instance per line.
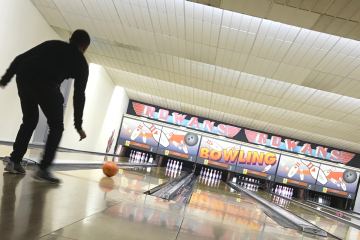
x=110 y=169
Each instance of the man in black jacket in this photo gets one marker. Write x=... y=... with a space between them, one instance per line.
x=39 y=74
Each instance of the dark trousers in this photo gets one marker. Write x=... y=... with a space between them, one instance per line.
x=50 y=100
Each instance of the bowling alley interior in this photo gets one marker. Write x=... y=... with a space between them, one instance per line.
x=205 y=119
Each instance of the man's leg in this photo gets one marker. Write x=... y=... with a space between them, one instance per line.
x=30 y=119
x=52 y=107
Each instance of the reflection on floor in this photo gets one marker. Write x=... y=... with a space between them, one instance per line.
x=90 y=206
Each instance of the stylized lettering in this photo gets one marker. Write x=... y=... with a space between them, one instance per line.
x=193 y=123
x=270 y=159
x=222 y=129
x=275 y=141
x=148 y=111
x=261 y=138
x=163 y=115
x=178 y=118
x=208 y=125
x=204 y=153
x=321 y=152
x=335 y=155
x=306 y=149
x=215 y=155
x=291 y=144
x=230 y=155
x=241 y=158
x=257 y=158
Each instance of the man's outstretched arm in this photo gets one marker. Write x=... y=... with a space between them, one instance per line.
x=10 y=72
x=79 y=99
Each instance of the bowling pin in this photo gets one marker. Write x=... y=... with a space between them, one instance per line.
x=201 y=172
x=151 y=159
x=130 y=156
x=267 y=168
x=154 y=131
x=322 y=177
x=293 y=170
x=342 y=184
x=168 y=164
x=136 y=132
x=301 y=175
x=142 y=158
x=312 y=168
x=180 y=168
x=185 y=149
x=177 y=165
x=171 y=164
x=214 y=145
x=136 y=156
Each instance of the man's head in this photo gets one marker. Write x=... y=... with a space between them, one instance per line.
x=81 y=39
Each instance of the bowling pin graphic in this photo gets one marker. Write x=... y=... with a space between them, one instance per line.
x=312 y=168
x=267 y=168
x=185 y=149
x=154 y=131
x=301 y=175
x=164 y=139
x=322 y=177
x=214 y=145
x=142 y=158
x=136 y=132
x=293 y=170
x=342 y=184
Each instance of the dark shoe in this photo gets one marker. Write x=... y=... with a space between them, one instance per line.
x=14 y=168
x=46 y=176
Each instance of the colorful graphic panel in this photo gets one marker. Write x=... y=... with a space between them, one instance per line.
x=297 y=172
x=337 y=181
x=138 y=134
x=217 y=153
x=257 y=162
x=179 y=144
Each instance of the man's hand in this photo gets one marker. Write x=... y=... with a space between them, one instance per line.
x=82 y=134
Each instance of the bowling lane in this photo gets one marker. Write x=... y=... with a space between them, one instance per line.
x=129 y=182
x=134 y=216
x=335 y=212
x=337 y=228
x=63 y=156
x=218 y=212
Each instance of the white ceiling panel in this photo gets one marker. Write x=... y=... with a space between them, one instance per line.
x=245 y=70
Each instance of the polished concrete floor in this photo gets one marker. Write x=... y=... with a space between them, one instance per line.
x=89 y=206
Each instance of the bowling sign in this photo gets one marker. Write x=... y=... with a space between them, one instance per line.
x=179 y=144
x=257 y=162
x=297 y=172
x=139 y=134
x=218 y=153
x=337 y=181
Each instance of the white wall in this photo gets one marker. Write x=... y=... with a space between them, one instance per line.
x=21 y=28
x=104 y=107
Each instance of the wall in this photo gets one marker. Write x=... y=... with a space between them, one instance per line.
x=104 y=107
x=21 y=28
